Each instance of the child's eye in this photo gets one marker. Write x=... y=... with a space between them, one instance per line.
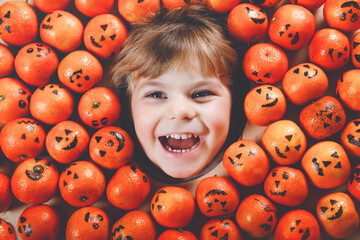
x=156 y=95
x=200 y=94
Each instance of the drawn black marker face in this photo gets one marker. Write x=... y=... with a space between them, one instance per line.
x=306 y=71
x=270 y=97
x=335 y=211
x=278 y=178
x=258 y=17
x=292 y=36
x=349 y=11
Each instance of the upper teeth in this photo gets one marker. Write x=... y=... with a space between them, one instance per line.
x=181 y=136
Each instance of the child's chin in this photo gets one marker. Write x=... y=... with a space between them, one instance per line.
x=184 y=173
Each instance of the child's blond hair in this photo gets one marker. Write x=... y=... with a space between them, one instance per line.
x=181 y=39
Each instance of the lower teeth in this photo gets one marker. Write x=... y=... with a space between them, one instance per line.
x=181 y=150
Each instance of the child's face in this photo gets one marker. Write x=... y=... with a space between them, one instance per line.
x=181 y=120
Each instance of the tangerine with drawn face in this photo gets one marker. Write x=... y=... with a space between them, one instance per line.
x=36 y=63
x=218 y=6
x=88 y=223
x=104 y=35
x=51 y=104
x=35 y=181
x=329 y=49
x=79 y=71
x=247 y=23
x=309 y=4
x=92 y=8
x=128 y=187
x=350 y=138
x=265 y=63
x=62 y=30
x=22 y=138
x=284 y=141
x=81 y=183
x=135 y=10
x=111 y=147
x=39 y=222
x=355 y=50
x=171 y=4
x=67 y=141
x=18 y=23
x=304 y=82
x=135 y=224
x=354 y=182
x=323 y=118
x=217 y=228
x=337 y=214
x=48 y=7
x=217 y=196
x=172 y=206
x=298 y=224
x=348 y=89
x=286 y=186
x=175 y=234
x=265 y=3
x=326 y=164
x=257 y=216
x=14 y=99
x=264 y=104
x=6 y=195
x=342 y=14
x=246 y=162
x=6 y=230
x=292 y=27
x=6 y=61
x=99 y=107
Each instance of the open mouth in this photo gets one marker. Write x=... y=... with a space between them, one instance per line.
x=180 y=143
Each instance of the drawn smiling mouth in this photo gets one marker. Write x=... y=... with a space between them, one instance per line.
x=179 y=143
x=337 y=214
x=278 y=193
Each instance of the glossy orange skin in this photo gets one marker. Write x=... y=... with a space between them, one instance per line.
x=6 y=230
x=337 y=214
x=246 y=162
x=173 y=207
x=128 y=188
x=219 y=6
x=62 y=30
x=342 y=14
x=92 y=8
x=22 y=138
x=52 y=104
x=39 y=222
x=79 y=71
x=264 y=104
x=6 y=61
x=217 y=196
x=247 y=23
x=309 y=4
x=265 y=3
x=217 y=228
x=50 y=6
x=284 y=141
x=14 y=99
x=35 y=181
x=355 y=50
x=136 y=224
x=6 y=195
x=36 y=63
x=286 y=186
x=265 y=63
x=298 y=224
x=134 y=11
x=90 y=223
x=111 y=147
x=348 y=89
x=172 y=234
x=304 y=82
x=170 y=4
x=354 y=183
x=326 y=164
x=67 y=141
x=350 y=137
x=104 y=35
x=81 y=183
x=99 y=107
x=257 y=216
x=323 y=118
x=292 y=27
x=329 y=49
x=19 y=23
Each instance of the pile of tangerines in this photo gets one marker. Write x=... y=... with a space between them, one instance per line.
x=52 y=64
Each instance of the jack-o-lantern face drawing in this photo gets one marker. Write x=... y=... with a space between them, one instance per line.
x=350 y=138
x=25 y=228
x=343 y=14
x=349 y=80
x=220 y=229
x=355 y=50
x=284 y=141
x=354 y=182
x=265 y=3
x=104 y=35
x=327 y=165
x=258 y=17
x=286 y=185
x=323 y=118
x=6 y=230
x=337 y=214
x=264 y=104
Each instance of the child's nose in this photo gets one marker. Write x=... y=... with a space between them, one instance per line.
x=180 y=108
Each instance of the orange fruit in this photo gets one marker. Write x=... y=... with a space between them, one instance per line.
x=309 y=4
x=35 y=180
x=134 y=10
x=92 y=8
x=177 y=234
x=6 y=195
x=350 y=138
x=355 y=50
x=6 y=61
x=14 y=99
x=348 y=89
x=265 y=3
x=219 y=6
x=354 y=182
x=6 y=230
x=170 y=4
x=217 y=228
x=342 y=14
x=47 y=7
